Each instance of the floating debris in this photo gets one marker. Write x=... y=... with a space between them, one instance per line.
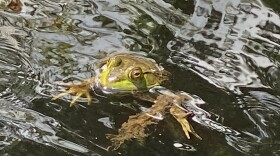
x=15 y=6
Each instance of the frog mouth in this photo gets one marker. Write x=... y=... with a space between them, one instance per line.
x=116 y=91
x=109 y=90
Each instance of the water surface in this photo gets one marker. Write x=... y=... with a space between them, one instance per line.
x=224 y=51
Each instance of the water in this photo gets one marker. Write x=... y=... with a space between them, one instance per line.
x=225 y=52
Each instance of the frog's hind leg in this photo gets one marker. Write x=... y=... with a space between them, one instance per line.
x=181 y=117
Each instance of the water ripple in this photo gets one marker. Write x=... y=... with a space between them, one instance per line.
x=228 y=50
x=20 y=123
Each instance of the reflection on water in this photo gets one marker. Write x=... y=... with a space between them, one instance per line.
x=20 y=123
x=226 y=52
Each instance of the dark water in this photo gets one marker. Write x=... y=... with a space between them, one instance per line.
x=224 y=51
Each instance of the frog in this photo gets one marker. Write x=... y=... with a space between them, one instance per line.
x=130 y=73
x=119 y=74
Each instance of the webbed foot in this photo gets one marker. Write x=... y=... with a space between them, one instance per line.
x=181 y=117
x=81 y=89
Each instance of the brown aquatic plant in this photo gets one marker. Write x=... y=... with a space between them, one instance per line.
x=15 y=6
x=135 y=127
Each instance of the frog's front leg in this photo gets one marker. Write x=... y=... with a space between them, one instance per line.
x=80 y=89
x=181 y=117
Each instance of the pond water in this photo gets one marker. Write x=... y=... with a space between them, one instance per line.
x=224 y=51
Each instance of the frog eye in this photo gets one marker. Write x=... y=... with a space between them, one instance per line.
x=114 y=62
x=135 y=73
